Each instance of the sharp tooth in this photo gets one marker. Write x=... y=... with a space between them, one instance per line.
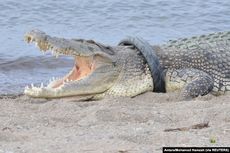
x=27 y=87
x=53 y=78
x=57 y=54
x=27 y=39
x=67 y=80
x=42 y=85
x=32 y=85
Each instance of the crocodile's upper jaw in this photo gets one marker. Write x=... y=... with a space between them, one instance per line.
x=87 y=66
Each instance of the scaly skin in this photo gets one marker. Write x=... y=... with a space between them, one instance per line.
x=195 y=66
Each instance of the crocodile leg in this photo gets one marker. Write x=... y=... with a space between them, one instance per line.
x=191 y=82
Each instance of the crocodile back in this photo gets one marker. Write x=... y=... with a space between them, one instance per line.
x=209 y=53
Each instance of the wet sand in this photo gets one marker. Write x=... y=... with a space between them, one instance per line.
x=145 y=124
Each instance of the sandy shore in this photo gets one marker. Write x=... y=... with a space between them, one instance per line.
x=145 y=124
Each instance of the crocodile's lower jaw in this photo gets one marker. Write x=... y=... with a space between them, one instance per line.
x=83 y=67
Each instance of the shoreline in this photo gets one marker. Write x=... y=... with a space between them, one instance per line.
x=147 y=122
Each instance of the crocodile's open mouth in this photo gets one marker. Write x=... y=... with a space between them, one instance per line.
x=83 y=66
x=93 y=72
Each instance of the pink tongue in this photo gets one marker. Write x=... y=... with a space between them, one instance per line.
x=84 y=67
x=75 y=73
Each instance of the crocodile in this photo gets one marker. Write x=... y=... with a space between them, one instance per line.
x=193 y=66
